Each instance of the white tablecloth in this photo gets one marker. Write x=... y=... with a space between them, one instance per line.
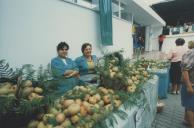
x=142 y=116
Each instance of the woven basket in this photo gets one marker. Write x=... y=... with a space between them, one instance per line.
x=160 y=107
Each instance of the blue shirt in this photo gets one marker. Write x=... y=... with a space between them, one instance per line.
x=83 y=65
x=58 y=67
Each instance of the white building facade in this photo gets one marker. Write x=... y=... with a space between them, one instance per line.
x=30 y=30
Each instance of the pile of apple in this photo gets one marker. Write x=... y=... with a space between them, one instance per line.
x=80 y=112
x=154 y=64
x=138 y=75
x=27 y=91
x=123 y=77
x=7 y=89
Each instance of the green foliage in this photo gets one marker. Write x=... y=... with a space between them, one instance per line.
x=120 y=114
x=52 y=121
x=117 y=56
x=154 y=64
x=49 y=87
x=29 y=107
x=18 y=105
x=5 y=70
x=6 y=104
x=44 y=74
x=42 y=77
x=116 y=73
x=77 y=95
x=28 y=73
x=112 y=60
x=129 y=100
x=24 y=107
x=109 y=119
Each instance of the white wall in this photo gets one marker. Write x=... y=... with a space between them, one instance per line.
x=31 y=29
x=122 y=38
x=169 y=41
x=147 y=38
x=154 y=32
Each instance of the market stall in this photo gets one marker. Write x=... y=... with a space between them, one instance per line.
x=163 y=86
x=161 y=69
x=125 y=95
x=149 y=110
x=137 y=115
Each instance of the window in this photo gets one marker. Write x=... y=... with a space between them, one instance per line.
x=115 y=8
x=85 y=3
x=91 y=4
x=119 y=9
x=124 y=12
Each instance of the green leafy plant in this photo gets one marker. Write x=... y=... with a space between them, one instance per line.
x=13 y=103
x=5 y=70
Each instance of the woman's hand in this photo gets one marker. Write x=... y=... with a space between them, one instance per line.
x=190 y=89
x=187 y=82
x=74 y=73
x=68 y=72
x=71 y=73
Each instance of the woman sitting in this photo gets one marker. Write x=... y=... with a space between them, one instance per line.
x=86 y=64
x=64 y=69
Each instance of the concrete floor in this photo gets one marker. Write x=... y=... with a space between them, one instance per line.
x=172 y=114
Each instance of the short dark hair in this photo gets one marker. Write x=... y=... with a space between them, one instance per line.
x=61 y=46
x=180 y=41
x=84 y=46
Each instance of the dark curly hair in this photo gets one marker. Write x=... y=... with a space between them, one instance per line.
x=84 y=46
x=62 y=45
x=180 y=41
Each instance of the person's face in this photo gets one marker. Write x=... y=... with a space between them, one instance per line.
x=63 y=52
x=88 y=51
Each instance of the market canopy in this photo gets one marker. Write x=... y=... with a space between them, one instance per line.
x=152 y=2
x=143 y=14
x=176 y=12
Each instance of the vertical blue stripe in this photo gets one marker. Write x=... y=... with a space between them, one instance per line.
x=106 y=21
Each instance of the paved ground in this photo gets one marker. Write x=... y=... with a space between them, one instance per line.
x=172 y=114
